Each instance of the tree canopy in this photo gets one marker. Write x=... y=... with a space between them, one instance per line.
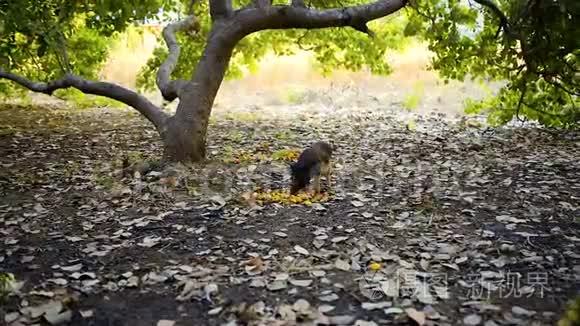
x=531 y=45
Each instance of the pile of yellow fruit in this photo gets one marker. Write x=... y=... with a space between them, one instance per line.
x=284 y=197
x=286 y=155
x=243 y=156
x=238 y=158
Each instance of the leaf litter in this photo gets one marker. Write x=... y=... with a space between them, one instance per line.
x=428 y=207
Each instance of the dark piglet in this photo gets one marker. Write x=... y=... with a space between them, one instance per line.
x=313 y=162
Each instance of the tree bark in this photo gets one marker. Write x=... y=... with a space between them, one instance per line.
x=113 y=91
x=185 y=141
x=185 y=134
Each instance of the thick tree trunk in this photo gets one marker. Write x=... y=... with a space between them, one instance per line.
x=185 y=141
x=184 y=135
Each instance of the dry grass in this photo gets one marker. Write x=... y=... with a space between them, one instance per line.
x=127 y=57
x=291 y=80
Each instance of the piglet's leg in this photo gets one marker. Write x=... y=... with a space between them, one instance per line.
x=317 y=183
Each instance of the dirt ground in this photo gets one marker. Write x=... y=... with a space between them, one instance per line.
x=442 y=223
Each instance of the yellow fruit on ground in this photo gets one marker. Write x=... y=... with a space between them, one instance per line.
x=374 y=266
x=283 y=196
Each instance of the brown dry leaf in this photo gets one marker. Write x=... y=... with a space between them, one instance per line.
x=190 y=289
x=472 y=320
x=58 y=318
x=325 y=308
x=418 y=316
x=150 y=241
x=329 y=298
x=365 y=323
x=357 y=203
x=394 y=310
x=338 y=239
x=301 y=306
x=287 y=313
x=255 y=265
x=249 y=198
x=376 y=305
x=72 y=268
x=301 y=283
x=301 y=250
x=341 y=320
x=86 y=313
x=169 y=182
x=342 y=265
x=277 y=285
x=215 y=311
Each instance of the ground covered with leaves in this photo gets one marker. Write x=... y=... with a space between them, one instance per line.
x=434 y=222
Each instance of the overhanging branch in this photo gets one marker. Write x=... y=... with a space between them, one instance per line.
x=170 y=89
x=283 y=17
x=508 y=29
x=503 y=21
x=110 y=90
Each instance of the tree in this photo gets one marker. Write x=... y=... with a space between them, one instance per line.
x=532 y=44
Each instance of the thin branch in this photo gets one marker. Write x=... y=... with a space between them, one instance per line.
x=170 y=89
x=534 y=108
x=284 y=17
x=520 y=102
x=106 y=89
x=562 y=87
x=62 y=42
x=299 y=42
x=59 y=61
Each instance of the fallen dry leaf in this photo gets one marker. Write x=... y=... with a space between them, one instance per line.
x=417 y=316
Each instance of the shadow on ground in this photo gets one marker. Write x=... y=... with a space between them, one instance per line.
x=467 y=225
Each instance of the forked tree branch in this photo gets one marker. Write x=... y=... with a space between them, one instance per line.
x=170 y=89
x=282 y=17
x=106 y=89
x=220 y=9
x=503 y=21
